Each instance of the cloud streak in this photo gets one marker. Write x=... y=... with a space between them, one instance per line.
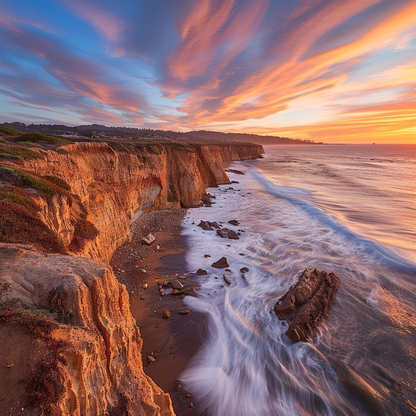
x=344 y=68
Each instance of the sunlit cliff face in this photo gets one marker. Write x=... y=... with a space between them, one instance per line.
x=327 y=70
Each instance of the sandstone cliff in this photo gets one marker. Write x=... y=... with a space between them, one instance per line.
x=116 y=182
x=70 y=344
x=92 y=362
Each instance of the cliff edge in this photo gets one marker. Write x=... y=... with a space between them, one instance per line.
x=70 y=345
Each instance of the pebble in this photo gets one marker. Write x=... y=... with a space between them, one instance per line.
x=184 y=312
x=150 y=359
x=145 y=285
x=187 y=396
x=167 y=313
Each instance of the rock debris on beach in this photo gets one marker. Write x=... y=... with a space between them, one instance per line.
x=222 y=263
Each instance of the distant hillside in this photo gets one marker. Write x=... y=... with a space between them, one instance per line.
x=103 y=132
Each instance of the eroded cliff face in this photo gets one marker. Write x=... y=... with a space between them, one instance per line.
x=70 y=319
x=116 y=182
x=99 y=370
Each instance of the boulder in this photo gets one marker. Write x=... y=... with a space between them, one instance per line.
x=201 y=272
x=222 y=234
x=238 y=172
x=222 y=263
x=205 y=225
x=148 y=239
x=308 y=303
x=244 y=270
x=175 y=284
x=233 y=222
x=167 y=313
x=232 y=235
x=213 y=224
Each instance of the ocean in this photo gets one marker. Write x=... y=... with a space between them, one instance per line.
x=346 y=209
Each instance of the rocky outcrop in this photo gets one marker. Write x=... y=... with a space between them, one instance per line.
x=116 y=182
x=100 y=367
x=307 y=303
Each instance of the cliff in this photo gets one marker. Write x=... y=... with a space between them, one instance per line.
x=116 y=182
x=70 y=345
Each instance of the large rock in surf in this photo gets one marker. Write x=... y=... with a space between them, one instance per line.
x=307 y=303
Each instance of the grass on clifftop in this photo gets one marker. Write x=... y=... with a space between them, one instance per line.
x=18 y=152
x=184 y=146
x=58 y=182
x=49 y=187
x=18 y=196
x=40 y=137
x=6 y=131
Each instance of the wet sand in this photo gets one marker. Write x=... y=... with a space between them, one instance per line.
x=173 y=341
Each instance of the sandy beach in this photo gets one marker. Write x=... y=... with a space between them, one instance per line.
x=172 y=341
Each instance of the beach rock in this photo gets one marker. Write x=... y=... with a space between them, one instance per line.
x=204 y=225
x=175 y=284
x=244 y=270
x=167 y=313
x=167 y=291
x=150 y=359
x=238 y=172
x=232 y=235
x=233 y=222
x=201 y=272
x=222 y=263
x=308 y=303
x=222 y=234
x=206 y=255
x=213 y=224
x=226 y=278
x=148 y=239
x=184 y=312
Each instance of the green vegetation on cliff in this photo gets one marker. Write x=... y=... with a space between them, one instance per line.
x=39 y=137
x=18 y=152
x=7 y=131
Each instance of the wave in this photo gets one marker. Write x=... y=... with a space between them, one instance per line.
x=372 y=248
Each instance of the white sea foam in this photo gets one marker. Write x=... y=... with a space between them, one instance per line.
x=247 y=366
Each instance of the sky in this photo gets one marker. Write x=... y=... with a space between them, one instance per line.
x=339 y=71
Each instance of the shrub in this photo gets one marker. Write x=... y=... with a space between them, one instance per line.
x=2 y=140
x=58 y=182
x=19 y=152
x=40 y=137
x=38 y=183
x=9 y=132
x=154 y=149
x=184 y=146
x=62 y=151
x=19 y=225
x=84 y=230
x=18 y=196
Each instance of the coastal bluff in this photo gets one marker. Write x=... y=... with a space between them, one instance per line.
x=70 y=343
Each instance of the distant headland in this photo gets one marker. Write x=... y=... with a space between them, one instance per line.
x=97 y=131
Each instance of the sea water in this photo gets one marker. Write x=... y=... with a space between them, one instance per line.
x=350 y=210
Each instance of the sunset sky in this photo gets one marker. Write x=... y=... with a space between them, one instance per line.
x=326 y=70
